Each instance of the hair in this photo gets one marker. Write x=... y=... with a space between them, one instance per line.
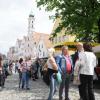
x=64 y=47
x=79 y=43
x=87 y=47
x=20 y=60
x=51 y=52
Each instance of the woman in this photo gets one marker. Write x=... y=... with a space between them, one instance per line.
x=20 y=71
x=88 y=62
x=52 y=70
x=23 y=74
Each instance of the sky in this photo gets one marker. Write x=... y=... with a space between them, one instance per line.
x=14 y=21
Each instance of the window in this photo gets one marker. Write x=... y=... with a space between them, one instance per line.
x=32 y=21
x=42 y=45
x=32 y=26
x=28 y=45
x=28 y=38
x=43 y=54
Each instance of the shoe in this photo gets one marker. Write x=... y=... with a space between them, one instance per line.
x=34 y=79
x=22 y=87
x=67 y=99
x=80 y=99
x=27 y=88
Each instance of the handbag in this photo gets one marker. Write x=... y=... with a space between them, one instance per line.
x=59 y=78
x=76 y=80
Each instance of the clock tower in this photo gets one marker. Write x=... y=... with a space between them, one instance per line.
x=31 y=23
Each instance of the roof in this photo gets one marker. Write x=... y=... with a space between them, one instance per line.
x=42 y=36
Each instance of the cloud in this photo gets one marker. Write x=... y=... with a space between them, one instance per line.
x=14 y=21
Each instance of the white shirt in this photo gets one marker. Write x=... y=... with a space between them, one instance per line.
x=49 y=64
x=88 y=62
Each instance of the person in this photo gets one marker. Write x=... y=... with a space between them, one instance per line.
x=5 y=67
x=89 y=61
x=2 y=74
x=10 y=66
x=79 y=51
x=52 y=70
x=16 y=66
x=37 y=66
x=28 y=72
x=23 y=69
x=19 y=71
x=65 y=67
x=33 y=71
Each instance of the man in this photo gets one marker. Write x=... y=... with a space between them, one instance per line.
x=65 y=67
x=78 y=53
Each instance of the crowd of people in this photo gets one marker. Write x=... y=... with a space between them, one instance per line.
x=79 y=67
x=58 y=71
x=26 y=68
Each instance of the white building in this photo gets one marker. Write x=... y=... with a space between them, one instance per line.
x=34 y=44
x=43 y=46
x=31 y=23
x=11 y=54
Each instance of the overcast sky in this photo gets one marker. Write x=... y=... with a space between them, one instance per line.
x=14 y=21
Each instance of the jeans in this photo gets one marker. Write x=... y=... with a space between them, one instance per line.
x=25 y=79
x=87 y=87
x=66 y=78
x=52 y=87
x=20 y=78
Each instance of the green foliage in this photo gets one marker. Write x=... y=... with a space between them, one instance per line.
x=81 y=15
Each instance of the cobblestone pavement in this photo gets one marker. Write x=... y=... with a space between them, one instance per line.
x=39 y=90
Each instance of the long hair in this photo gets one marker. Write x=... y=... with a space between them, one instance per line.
x=51 y=52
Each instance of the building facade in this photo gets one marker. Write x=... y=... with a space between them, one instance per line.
x=11 y=54
x=61 y=38
x=34 y=45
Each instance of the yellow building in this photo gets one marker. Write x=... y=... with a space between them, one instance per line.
x=62 y=39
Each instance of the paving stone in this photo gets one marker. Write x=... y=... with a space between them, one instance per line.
x=39 y=91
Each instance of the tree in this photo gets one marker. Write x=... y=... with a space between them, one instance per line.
x=82 y=16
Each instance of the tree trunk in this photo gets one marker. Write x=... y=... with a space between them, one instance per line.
x=99 y=30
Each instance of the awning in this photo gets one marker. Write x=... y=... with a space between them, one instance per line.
x=72 y=43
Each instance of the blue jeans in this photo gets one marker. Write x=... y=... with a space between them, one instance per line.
x=52 y=87
x=25 y=79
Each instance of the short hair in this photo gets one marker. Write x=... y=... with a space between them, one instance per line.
x=64 y=47
x=87 y=47
x=79 y=43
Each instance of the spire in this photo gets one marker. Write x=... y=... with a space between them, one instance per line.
x=31 y=14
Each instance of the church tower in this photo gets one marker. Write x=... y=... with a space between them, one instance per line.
x=31 y=23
